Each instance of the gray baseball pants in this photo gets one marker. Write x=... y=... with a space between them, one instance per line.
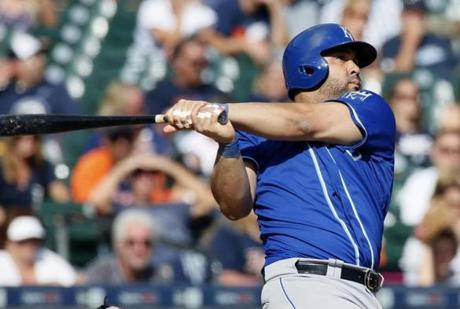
x=285 y=288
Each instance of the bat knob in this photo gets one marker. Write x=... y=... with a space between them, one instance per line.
x=223 y=117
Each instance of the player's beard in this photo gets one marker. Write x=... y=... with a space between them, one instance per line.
x=333 y=87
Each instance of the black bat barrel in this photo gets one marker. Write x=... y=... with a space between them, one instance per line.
x=34 y=124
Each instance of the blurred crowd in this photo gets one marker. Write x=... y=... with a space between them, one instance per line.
x=132 y=205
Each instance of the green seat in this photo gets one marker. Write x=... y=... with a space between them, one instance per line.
x=70 y=232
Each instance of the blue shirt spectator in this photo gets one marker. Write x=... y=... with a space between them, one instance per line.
x=45 y=98
x=166 y=93
x=415 y=47
x=232 y=18
x=188 y=63
x=25 y=196
x=241 y=265
x=29 y=91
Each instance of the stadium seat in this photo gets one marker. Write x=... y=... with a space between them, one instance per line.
x=70 y=232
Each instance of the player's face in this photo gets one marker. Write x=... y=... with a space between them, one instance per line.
x=343 y=73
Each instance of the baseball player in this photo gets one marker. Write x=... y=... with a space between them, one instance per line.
x=318 y=172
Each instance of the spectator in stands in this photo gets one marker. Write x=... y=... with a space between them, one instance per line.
x=134 y=242
x=252 y=27
x=242 y=264
x=161 y=25
x=372 y=21
x=444 y=260
x=300 y=15
x=122 y=99
x=144 y=177
x=26 y=178
x=432 y=256
x=170 y=21
x=413 y=141
x=92 y=167
x=415 y=47
x=26 y=262
x=355 y=16
x=27 y=14
x=166 y=190
x=269 y=85
x=29 y=91
x=5 y=73
x=444 y=211
x=449 y=120
x=188 y=62
x=126 y=99
x=414 y=197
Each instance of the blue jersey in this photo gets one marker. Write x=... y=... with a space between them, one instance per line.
x=325 y=201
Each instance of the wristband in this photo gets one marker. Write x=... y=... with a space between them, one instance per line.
x=230 y=150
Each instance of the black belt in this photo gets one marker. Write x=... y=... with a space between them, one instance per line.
x=370 y=278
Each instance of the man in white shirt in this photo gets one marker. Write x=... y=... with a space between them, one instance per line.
x=414 y=198
x=26 y=262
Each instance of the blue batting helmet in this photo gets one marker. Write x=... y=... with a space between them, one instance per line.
x=305 y=68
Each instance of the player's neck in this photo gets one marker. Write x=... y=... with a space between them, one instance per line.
x=310 y=97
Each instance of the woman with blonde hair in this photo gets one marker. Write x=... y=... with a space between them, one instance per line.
x=25 y=176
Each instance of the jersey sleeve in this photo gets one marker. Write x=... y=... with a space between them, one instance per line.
x=374 y=117
x=249 y=147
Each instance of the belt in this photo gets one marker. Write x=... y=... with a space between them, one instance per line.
x=366 y=276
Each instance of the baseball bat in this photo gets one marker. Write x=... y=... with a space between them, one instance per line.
x=35 y=124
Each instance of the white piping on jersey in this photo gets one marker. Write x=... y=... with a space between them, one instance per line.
x=252 y=160
x=331 y=206
x=355 y=158
x=355 y=212
x=360 y=123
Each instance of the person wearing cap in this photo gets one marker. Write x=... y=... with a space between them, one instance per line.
x=29 y=91
x=26 y=262
x=415 y=47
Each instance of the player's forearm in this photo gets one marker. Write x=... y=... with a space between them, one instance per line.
x=281 y=121
x=231 y=189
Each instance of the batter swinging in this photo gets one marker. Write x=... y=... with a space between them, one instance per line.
x=318 y=172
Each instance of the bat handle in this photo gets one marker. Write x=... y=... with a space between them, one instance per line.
x=160 y=118
x=222 y=118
